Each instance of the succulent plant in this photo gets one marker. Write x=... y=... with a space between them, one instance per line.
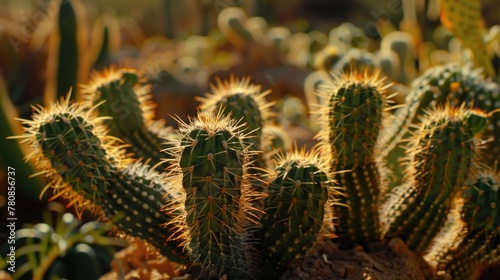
x=441 y=156
x=90 y=172
x=448 y=84
x=352 y=121
x=61 y=249
x=130 y=112
x=478 y=243
x=299 y=191
x=213 y=159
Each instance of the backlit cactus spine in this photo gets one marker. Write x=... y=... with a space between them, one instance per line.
x=479 y=242
x=130 y=107
x=247 y=104
x=441 y=157
x=213 y=159
x=90 y=172
x=299 y=192
x=353 y=112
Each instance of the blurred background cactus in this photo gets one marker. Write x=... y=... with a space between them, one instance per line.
x=177 y=125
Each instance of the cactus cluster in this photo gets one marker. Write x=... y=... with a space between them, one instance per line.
x=227 y=193
x=224 y=213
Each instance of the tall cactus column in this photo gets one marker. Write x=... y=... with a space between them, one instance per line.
x=352 y=120
x=89 y=171
x=441 y=157
x=213 y=161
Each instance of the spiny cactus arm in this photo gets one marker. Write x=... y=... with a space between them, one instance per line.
x=142 y=204
x=246 y=103
x=451 y=83
x=89 y=170
x=299 y=190
x=352 y=118
x=441 y=156
x=213 y=161
x=70 y=149
x=479 y=244
x=131 y=110
x=231 y=22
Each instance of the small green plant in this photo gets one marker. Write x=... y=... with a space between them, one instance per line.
x=65 y=248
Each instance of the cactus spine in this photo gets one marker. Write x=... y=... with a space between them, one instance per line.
x=89 y=171
x=213 y=162
x=298 y=193
x=354 y=110
x=441 y=157
x=131 y=110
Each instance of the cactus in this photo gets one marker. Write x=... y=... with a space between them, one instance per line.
x=245 y=102
x=402 y=43
x=452 y=84
x=89 y=170
x=351 y=124
x=131 y=110
x=299 y=190
x=69 y=147
x=231 y=22
x=441 y=156
x=145 y=206
x=388 y=61
x=358 y=59
x=213 y=159
x=478 y=244
x=67 y=69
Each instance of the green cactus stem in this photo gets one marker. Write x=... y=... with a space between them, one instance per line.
x=67 y=66
x=213 y=159
x=478 y=244
x=131 y=110
x=247 y=104
x=146 y=206
x=89 y=170
x=351 y=124
x=70 y=149
x=452 y=84
x=441 y=156
x=299 y=191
